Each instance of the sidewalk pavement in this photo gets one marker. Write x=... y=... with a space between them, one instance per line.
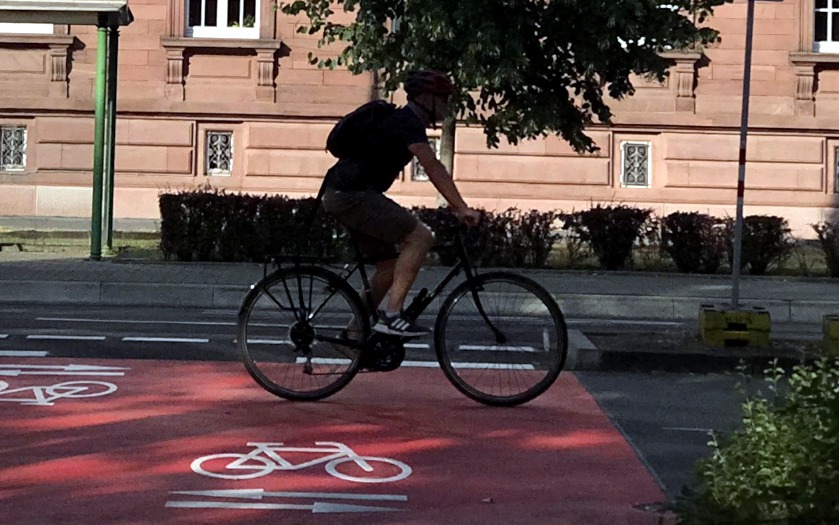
x=796 y=305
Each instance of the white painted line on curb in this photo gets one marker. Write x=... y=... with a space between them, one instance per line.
x=67 y=337
x=22 y=353
x=164 y=340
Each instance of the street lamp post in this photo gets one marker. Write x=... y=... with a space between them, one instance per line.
x=742 y=156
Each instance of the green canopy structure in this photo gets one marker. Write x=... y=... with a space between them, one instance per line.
x=107 y=16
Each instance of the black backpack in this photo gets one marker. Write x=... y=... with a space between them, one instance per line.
x=345 y=137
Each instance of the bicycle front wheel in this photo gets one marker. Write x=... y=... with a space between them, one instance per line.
x=501 y=341
x=282 y=326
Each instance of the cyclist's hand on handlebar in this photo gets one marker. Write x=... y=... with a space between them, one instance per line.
x=468 y=216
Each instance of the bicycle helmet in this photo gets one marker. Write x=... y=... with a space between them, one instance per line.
x=428 y=81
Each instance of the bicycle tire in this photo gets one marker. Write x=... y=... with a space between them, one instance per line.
x=269 y=326
x=509 y=372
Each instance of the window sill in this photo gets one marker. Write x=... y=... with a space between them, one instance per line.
x=220 y=43
x=36 y=40
x=805 y=58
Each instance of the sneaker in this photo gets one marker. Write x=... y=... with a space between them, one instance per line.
x=399 y=326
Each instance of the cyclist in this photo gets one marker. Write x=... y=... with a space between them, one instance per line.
x=354 y=194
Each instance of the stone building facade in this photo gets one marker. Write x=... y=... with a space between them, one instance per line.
x=229 y=99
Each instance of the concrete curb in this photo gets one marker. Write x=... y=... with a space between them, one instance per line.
x=230 y=296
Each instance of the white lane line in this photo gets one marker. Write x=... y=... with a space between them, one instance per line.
x=164 y=340
x=67 y=337
x=688 y=429
x=3 y=336
x=425 y=364
x=498 y=348
x=22 y=353
x=133 y=321
x=421 y=346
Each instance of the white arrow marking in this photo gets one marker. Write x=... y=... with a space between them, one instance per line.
x=261 y=493
x=60 y=370
x=316 y=508
x=69 y=368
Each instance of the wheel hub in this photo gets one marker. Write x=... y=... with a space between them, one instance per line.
x=302 y=334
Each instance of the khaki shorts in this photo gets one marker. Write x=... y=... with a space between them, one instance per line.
x=378 y=223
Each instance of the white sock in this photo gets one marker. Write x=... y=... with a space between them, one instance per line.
x=389 y=313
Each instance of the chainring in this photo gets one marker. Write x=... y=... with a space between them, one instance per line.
x=383 y=353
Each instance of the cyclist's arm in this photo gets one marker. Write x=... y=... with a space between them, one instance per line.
x=438 y=175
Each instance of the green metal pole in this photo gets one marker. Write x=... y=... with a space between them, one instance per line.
x=98 y=142
x=111 y=137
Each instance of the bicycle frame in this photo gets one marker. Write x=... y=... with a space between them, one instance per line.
x=417 y=306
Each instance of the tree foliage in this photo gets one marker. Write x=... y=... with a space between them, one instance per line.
x=527 y=68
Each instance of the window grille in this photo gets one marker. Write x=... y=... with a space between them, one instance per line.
x=12 y=148
x=223 y=18
x=417 y=171
x=827 y=26
x=219 y=152
x=635 y=164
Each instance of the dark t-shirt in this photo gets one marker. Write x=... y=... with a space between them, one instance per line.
x=382 y=155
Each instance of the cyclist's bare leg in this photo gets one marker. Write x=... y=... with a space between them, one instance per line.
x=415 y=246
x=381 y=280
x=380 y=283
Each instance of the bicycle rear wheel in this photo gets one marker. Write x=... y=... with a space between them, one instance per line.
x=282 y=323
x=511 y=356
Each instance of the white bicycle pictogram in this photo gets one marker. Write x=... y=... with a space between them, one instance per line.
x=47 y=395
x=265 y=458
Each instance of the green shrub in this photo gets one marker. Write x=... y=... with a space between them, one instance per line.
x=827 y=235
x=781 y=468
x=696 y=242
x=508 y=239
x=764 y=239
x=610 y=231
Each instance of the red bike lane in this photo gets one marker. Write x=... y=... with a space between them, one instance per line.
x=144 y=450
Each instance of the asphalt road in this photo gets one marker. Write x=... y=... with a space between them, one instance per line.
x=665 y=417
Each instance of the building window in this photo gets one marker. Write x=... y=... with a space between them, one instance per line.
x=417 y=171
x=219 y=153
x=12 y=148
x=21 y=28
x=635 y=164
x=826 y=26
x=223 y=18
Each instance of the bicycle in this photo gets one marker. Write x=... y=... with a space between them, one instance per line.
x=266 y=458
x=304 y=332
